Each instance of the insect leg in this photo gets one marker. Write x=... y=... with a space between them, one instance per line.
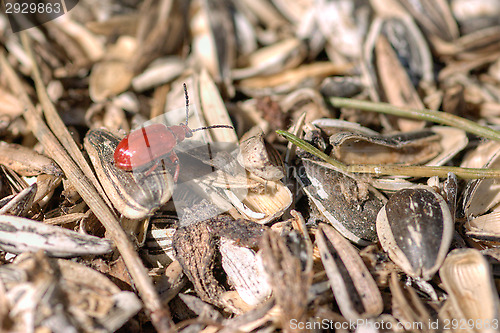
x=175 y=160
x=153 y=167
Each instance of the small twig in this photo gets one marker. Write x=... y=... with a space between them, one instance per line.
x=438 y=117
x=160 y=316
x=56 y=124
x=393 y=170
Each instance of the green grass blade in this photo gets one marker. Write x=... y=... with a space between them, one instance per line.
x=393 y=170
x=438 y=117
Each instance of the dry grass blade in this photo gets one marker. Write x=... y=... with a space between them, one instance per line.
x=56 y=124
x=414 y=171
x=159 y=315
x=423 y=114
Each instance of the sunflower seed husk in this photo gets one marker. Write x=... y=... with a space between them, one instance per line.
x=20 y=235
x=467 y=278
x=355 y=291
x=112 y=77
x=134 y=194
x=21 y=203
x=481 y=199
x=349 y=205
x=45 y=188
x=415 y=228
x=264 y=203
x=472 y=16
x=158 y=247
x=288 y=275
x=408 y=307
x=92 y=303
x=406 y=148
x=27 y=162
x=453 y=141
x=197 y=250
x=481 y=195
x=277 y=65
x=161 y=71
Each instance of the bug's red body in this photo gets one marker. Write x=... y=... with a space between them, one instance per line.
x=146 y=147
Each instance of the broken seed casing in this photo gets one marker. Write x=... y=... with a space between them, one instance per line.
x=336 y=29
x=258 y=157
x=407 y=306
x=158 y=247
x=196 y=249
x=403 y=148
x=20 y=203
x=348 y=204
x=244 y=270
x=355 y=144
x=393 y=170
x=453 y=140
x=267 y=205
x=27 y=162
x=39 y=281
x=481 y=195
x=46 y=185
x=287 y=273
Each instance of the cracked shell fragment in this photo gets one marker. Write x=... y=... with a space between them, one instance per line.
x=44 y=294
x=349 y=205
x=245 y=272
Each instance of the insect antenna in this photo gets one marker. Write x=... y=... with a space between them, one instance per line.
x=187 y=102
x=214 y=126
x=187 y=115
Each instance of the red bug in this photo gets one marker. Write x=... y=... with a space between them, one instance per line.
x=144 y=148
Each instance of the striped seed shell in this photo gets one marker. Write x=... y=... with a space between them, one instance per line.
x=18 y=235
x=91 y=301
x=134 y=194
x=415 y=228
x=353 y=286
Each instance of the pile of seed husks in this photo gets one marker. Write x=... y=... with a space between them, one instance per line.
x=371 y=224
